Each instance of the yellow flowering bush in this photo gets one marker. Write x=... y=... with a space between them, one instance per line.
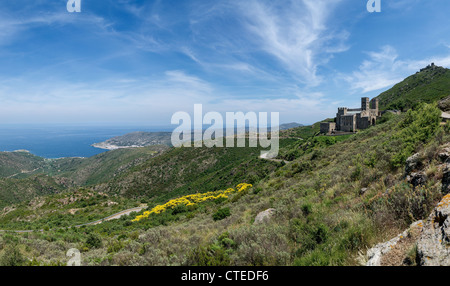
x=192 y=200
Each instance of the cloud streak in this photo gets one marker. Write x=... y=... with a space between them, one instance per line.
x=384 y=68
x=295 y=33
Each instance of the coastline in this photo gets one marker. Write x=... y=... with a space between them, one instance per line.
x=111 y=147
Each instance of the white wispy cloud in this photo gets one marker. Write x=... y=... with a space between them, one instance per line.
x=384 y=68
x=295 y=33
x=12 y=28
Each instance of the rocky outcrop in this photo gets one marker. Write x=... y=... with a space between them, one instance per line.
x=417 y=179
x=433 y=247
x=413 y=163
x=376 y=254
x=444 y=104
x=446 y=180
x=264 y=216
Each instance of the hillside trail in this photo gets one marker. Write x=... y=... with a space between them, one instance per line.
x=23 y=172
x=111 y=217
x=265 y=157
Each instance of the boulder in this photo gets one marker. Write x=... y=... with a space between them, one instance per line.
x=264 y=216
x=444 y=104
x=413 y=163
x=434 y=242
x=446 y=180
x=444 y=154
x=363 y=191
x=417 y=179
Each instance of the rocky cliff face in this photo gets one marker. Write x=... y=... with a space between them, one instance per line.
x=431 y=237
x=446 y=180
x=433 y=247
x=444 y=104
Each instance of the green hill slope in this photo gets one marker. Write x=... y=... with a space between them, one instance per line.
x=182 y=171
x=19 y=162
x=103 y=167
x=429 y=85
x=18 y=190
x=26 y=176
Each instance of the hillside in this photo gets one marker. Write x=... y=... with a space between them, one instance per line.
x=26 y=176
x=428 y=85
x=321 y=215
x=19 y=162
x=17 y=190
x=292 y=125
x=187 y=170
x=326 y=203
x=102 y=167
x=136 y=139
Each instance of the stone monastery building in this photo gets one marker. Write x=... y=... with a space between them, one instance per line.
x=352 y=119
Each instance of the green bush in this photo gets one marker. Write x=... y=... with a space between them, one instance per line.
x=306 y=209
x=179 y=209
x=115 y=246
x=208 y=256
x=222 y=214
x=419 y=126
x=93 y=241
x=12 y=257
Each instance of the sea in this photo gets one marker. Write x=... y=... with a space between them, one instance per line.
x=59 y=141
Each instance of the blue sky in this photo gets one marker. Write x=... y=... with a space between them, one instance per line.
x=138 y=62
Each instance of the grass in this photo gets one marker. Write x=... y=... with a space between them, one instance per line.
x=427 y=86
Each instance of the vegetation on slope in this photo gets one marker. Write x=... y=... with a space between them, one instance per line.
x=27 y=176
x=19 y=162
x=62 y=210
x=102 y=167
x=322 y=217
x=427 y=86
x=17 y=190
x=182 y=171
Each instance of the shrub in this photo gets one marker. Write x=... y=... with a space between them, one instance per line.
x=12 y=257
x=405 y=204
x=417 y=127
x=306 y=209
x=179 y=209
x=222 y=214
x=208 y=256
x=93 y=241
x=115 y=246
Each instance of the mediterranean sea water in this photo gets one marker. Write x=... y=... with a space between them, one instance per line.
x=57 y=141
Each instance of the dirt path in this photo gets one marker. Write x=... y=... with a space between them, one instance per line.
x=264 y=156
x=111 y=217
x=23 y=172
